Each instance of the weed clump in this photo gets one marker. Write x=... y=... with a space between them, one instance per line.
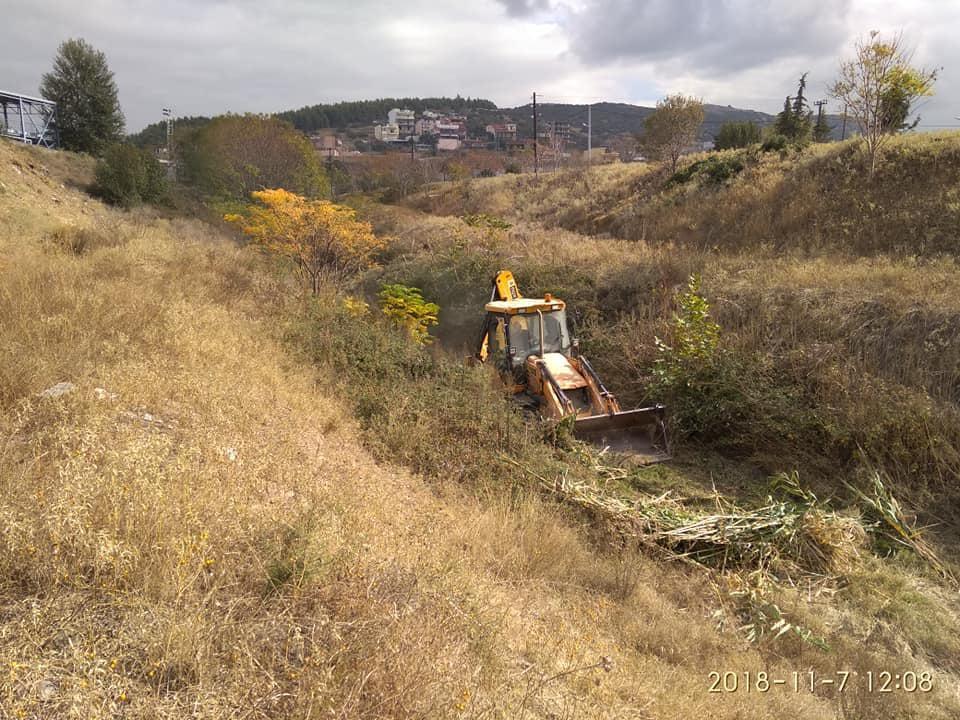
x=80 y=240
x=714 y=170
x=775 y=143
x=424 y=409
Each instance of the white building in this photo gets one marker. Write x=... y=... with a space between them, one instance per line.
x=405 y=120
x=387 y=133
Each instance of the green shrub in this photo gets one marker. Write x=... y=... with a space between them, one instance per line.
x=714 y=169
x=512 y=169
x=692 y=373
x=128 y=176
x=406 y=307
x=775 y=143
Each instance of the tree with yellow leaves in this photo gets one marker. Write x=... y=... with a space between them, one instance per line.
x=880 y=87
x=323 y=239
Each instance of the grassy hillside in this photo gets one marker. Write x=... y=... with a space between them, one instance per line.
x=218 y=516
x=835 y=292
x=818 y=200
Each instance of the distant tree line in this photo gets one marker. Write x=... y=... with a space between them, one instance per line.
x=737 y=135
x=155 y=135
x=366 y=112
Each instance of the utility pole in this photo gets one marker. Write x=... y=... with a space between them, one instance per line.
x=820 y=104
x=589 y=134
x=536 y=139
x=168 y=114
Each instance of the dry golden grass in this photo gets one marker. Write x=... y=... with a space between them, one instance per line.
x=843 y=285
x=196 y=531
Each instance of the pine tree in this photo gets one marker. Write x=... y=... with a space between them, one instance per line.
x=736 y=135
x=784 y=122
x=89 y=118
x=800 y=107
x=795 y=121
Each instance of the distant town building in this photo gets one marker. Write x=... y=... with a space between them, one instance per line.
x=450 y=130
x=426 y=125
x=460 y=121
x=405 y=120
x=327 y=143
x=387 y=133
x=451 y=127
x=502 y=131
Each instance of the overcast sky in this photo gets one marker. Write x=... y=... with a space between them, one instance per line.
x=203 y=57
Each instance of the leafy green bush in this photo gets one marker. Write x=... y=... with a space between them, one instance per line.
x=128 y=176
x=775 y=143
x=692 y=372
x=406 y=307
x=715 y=169
x=512 y=169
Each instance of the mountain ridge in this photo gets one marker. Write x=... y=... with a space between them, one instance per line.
x=609 y=119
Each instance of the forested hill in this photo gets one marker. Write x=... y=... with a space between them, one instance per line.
x=609 y=119
x=338 y=115
x=612 y=119
x=155 y=134
x=367 y=112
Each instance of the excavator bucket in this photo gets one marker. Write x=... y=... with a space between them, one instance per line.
x=640 y=433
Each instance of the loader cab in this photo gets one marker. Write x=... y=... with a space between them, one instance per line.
x=513 y=331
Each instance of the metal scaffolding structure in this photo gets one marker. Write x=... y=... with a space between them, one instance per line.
x=28 y=119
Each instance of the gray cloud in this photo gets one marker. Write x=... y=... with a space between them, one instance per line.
x=523 y=8
x=213 y=56
x=712 y=36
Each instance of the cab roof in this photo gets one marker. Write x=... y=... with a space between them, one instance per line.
x=524 y=305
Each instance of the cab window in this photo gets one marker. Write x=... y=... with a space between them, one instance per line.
x=525 y=334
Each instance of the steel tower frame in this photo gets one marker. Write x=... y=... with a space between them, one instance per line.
x=31 y=120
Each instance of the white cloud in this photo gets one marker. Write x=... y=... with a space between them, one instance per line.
x=210 y=56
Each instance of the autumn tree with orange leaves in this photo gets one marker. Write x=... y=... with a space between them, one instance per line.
x=324 y=240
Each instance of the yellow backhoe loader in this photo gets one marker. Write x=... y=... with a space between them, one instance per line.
x=529 y=343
